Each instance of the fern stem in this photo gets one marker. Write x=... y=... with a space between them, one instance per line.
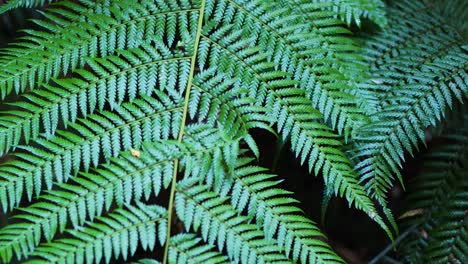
x=182 y=129
x=393 y=245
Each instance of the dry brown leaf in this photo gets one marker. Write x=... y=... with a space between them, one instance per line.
x=412 y=213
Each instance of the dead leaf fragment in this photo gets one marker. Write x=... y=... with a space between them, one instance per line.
x=411 y=213
x=135 y=153
x=424 y=234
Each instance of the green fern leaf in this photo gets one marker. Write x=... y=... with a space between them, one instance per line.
x=180 y=86
x=12 y=4
x=353 y=10
x=118 y=233
x=415 y=92
x=101 y=135
x=439 y=194
x=201 y=209
x=91 y=194
x=119 y=20
x=254 y=190
x=113 y=79
x=291 y=110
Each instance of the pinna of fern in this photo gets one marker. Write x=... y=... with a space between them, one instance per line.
x=354 y=11
x=104 y=134
x=118 y=19
x=12 y=4
x=118 y=233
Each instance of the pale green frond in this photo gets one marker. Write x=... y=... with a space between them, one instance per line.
x=183 y=86
x=111 y=81
x=300 y=39
x=213 y=167
x=295 y=118
x=119 y=233
x=220 y=100
x=99 y=137
x=123 y=180
x=88 y=196
x=220 y=225
x=110 y=26
x=276 y=213
x=12 y=4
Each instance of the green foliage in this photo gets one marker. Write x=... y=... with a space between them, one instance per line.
x=118 y=233
x=105 y=134
x=412 y=93
x=454 y=13
x=438 y=195
x=354 y=10
x=256 y=191
x=12 y=4
x=204 y=211
x=113 y=106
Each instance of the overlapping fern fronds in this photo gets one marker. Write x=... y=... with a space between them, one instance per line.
x=419 y=71
x=353 y=11
x=454 y=13
x=12 y=4
x=437 y=203
x=126 y=65
x=112 y=105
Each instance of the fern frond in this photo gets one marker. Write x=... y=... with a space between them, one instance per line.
x=118 y=233
x=295 y=118
x=188 y=248
x=454 y=13
x=91 y=194
x=415 y=91
x=295 y=42
x=198 y=208
x=254 y=190
x=354 y=10
x=392 y=49
x=440 y=193
x=112 y=80
x=181 y=84
x=441 y=236
x=109 y=27
x=123 y=180
x=12 y=4
x=99 y=136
